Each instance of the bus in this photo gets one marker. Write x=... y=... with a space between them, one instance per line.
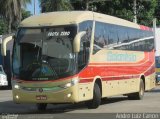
x=80 y=56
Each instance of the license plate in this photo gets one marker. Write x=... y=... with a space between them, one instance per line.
x=41 y=97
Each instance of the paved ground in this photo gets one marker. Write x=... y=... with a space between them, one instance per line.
x=116 y=105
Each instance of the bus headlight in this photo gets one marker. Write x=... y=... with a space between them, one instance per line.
x=72 y=83
x=67 y=85
x=16 y=86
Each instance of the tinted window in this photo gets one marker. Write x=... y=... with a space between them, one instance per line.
x=83 y=55
x=123 y=38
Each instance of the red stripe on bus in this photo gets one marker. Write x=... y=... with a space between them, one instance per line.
x=87 y=80
x=147 y=73
x=150 y=71
x=145 y=28
x=120 y=78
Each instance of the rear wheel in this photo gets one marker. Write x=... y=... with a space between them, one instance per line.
x=138 y=95
x=41 y=106
x=157 y=80
x=96 y=101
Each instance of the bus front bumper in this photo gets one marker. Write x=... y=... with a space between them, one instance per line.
x=68 y=95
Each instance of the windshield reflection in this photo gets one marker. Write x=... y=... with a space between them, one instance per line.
x=41 y=55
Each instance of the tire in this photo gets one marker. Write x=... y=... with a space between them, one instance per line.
x=96 y=101
x=157 y=80
x=138 y=95
x=41 y=106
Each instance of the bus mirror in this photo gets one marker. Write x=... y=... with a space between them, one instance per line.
x=4 y=44
x=77 y=41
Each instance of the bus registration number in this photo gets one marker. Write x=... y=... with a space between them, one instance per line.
x=41 y=97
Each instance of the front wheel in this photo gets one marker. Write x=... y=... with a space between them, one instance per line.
x=138 y=95
x=96 y=101
x=41 y=106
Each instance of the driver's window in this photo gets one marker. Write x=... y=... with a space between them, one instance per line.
x=83 y=55
x=16 y=59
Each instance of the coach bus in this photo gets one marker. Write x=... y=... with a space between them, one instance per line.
x=80 y=56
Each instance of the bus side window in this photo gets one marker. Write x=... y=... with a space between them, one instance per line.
x=83 y=55
x=113 y=37
x=100 y=36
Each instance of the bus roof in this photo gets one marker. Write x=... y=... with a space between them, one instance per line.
x=73 y=17
x=57 y=18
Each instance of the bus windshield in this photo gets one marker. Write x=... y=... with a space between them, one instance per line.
x=44 y=53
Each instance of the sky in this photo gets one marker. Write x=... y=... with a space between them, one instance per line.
x=30 y=7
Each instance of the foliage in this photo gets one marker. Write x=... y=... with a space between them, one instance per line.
x=55 y=5
x=146 y=12
x=157 y=13
x=11 y=11
x=123 y=8
x=3 y=27
x=25 y=14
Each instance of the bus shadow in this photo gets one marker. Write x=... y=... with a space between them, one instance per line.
x=113 y=100
x=9 y=107
x=155 y=90
x=63 y=108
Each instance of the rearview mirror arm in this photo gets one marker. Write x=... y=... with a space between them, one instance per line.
x=4 y=44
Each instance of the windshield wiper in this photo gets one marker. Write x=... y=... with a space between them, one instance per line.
x=38 y=54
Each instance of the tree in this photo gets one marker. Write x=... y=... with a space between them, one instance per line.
x=55 y=5
x=25 y=14
x=11 y=11
x=3 y=27
x=80 y=4
x=84 y=4
x=157 y=12
x=119 y=8
x=122 y=8
x=146 y=11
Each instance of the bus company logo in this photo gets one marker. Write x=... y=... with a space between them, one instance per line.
x=40 y=90
x=121 y=57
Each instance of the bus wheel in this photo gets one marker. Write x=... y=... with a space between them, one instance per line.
x=96 y=101
x=157 y=80
x=138 y=95
x=41 y=106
